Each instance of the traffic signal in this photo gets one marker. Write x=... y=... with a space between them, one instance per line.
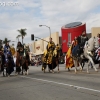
x=32 y=36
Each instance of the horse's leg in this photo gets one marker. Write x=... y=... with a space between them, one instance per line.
x=90 y=59
x=3 y=72
x=58 y=67
x=80 y=66
x=27 y=67
x=88 y=66
x=22 y=70
x=75 y=63
x=99 y=64
x=52 y=68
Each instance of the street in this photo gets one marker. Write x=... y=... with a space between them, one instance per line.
x=51 y=86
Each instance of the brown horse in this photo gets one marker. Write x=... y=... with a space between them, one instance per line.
x=22 y=63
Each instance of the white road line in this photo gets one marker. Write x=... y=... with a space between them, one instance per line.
x=78 y=87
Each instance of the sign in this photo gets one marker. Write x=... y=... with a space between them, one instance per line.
x=38 y=47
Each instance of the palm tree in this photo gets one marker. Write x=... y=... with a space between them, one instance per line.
x=6 y=40
x=18 y=37
x=22 y=33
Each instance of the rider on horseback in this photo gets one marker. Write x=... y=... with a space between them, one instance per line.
x=7 y=52
x=20 y=49
x=50 y=49
x=20 y=54
x=81 y=41
x=8 y=58
x=78 y=44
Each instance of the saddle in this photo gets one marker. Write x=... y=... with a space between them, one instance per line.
x=76 y=51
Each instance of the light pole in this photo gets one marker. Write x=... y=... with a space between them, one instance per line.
x=47 y=27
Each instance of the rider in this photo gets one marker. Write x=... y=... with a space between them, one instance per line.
x=50 y=49
x=7 y=50
x=81 y=41
x=8 y=56
x=20 y=54
x=20 y=49
x=50 y=45
x=74 y=46
x=74 y=42
x=98 y=35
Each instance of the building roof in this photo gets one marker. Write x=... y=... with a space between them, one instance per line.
x=73 y=24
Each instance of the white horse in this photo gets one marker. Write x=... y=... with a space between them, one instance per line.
x=90 y=45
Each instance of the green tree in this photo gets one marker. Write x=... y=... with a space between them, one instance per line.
x=22 y=33
x=18 y=37
x=6 y=40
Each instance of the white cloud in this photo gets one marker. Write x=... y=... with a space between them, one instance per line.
x=53 y=13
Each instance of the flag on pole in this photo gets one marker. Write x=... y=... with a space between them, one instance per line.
x=69 y=59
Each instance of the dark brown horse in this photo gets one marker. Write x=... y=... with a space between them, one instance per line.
x=22 y=63
x=7 y=65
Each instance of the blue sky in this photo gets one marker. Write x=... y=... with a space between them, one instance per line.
x=30 y=14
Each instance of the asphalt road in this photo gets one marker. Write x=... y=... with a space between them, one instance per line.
x=51 y=86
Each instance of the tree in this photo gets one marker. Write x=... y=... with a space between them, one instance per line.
x=6 y=40
x=22 y=33
x=18 y=37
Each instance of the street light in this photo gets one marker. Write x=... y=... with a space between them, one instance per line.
x=47 y=27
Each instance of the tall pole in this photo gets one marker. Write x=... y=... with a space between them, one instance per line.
x=47 y=27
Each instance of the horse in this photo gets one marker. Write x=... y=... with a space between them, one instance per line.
x=89 y=47
x=2 y=61
x=18 y=65
x=22 y=62
x=7 y=64
x=51 y=60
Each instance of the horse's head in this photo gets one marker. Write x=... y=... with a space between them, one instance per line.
x=92 y=44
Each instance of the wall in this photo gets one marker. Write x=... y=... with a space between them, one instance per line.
x=75 y=31
x=39 y=46
x=95 y=31
x=55 y=39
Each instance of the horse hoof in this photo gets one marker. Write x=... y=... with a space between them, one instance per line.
x=27 y=73
x=3 y=75
x=53 y=72
x=8 y=75
x=96 y=70
x=88 y=72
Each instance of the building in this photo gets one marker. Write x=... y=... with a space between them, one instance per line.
x=69 y=31
x=39 y=46
x=95 y=31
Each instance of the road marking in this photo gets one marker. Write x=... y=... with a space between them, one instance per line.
x=77 y=87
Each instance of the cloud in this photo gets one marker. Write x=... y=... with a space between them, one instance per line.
x=30 y=14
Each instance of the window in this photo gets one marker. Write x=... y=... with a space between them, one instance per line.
x=69 y=39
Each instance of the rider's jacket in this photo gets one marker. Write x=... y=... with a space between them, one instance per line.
x=83 y=40
x=6 y=48
x=7 y=52
x=20 y=49
x=74 y=43
x=51 y=46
